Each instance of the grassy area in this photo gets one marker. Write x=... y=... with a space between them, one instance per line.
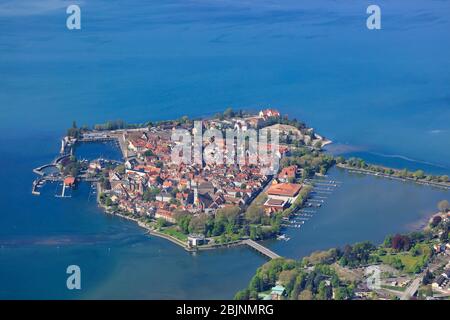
x=425 y=291
x=263 y=294
x=226 y=238
x=172 y=231
x=408 y=261
x=401 y=289
x=345 y=273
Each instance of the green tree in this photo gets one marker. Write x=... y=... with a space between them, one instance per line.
x=120 y=169
x=324 y=291
x=150 y=194
x=183 y=220
x=299 y=285
x=106 y=185
x=397 y=263
x=287 y=279
x=108 y=202
x=198 y=224
x=387 y=241
x=256 y=283
x=228 y=113
x=161 y=223
x=443 y=206
x=242 y=295
x=341 y=293
x=184 y=119
x=435 y=221
x=256 y=233
x=419 y=174
x=229 y=218
x=254 y=214
x=340 y=159
x=74 y=132
x=149 y=153
x=305 y=295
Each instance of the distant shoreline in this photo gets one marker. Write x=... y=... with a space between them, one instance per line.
x=445 y=186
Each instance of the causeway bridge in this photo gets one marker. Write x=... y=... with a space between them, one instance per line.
x=261 y=249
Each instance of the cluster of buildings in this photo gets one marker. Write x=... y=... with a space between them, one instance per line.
x=151 y=185
x=264 y=118
x=442 y=248
x=442 y=282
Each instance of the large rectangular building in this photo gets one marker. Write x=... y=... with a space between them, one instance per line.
x=287 y=190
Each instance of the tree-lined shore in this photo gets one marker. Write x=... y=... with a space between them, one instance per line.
x=339 y=273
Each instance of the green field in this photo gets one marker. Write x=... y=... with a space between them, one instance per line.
x=401 y=289
x=172 y=231
x=411 y=263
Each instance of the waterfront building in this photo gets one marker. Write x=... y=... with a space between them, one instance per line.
x=69 y=181
x=166 y=215
x=439 y=283
x=269 y=113
x=274 y=205
x=288 y=173
x=195 y=240
x=285 y=191
x=277 y=292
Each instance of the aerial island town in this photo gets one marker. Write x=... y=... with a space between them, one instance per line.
x=196 y=205
x=206 y=205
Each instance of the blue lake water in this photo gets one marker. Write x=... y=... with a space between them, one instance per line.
x=93 y=150
x=381 y=94
x=361 y=207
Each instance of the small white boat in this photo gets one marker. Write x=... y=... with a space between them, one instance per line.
x=283 y=237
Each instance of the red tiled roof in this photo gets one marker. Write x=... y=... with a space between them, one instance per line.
x=165 y=213
x=288 y=172
x=69 y=181
x=270 y=113
x=139 y=143
x=285 y=189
